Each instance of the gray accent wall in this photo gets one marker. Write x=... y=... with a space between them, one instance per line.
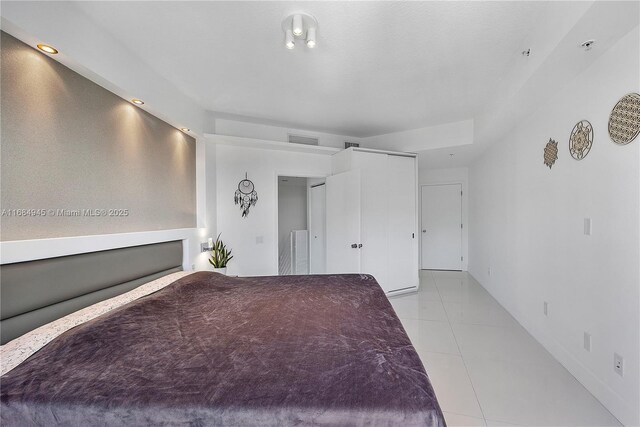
x=71 y=149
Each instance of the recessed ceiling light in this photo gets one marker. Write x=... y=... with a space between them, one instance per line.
x=137 y=101
x=588 y=44
x=48 y=49
x=185 y=129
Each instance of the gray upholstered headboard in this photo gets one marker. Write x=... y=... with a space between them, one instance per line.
x=37 y=292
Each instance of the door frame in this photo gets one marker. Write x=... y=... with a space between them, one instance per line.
x=278 y=174
x=462 y=189
x=309 y=188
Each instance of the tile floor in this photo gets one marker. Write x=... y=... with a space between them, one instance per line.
x=485 y=368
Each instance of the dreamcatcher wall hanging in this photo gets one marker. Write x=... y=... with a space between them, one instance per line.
x=245 y=195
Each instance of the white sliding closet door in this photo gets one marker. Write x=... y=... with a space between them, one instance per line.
x=442 y=227
x=402 y=248
x=374 y=215
x=343 y=222
x=317 y=229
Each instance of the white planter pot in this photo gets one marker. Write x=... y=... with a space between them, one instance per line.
x=222 y=270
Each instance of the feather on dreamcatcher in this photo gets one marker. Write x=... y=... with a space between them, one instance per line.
x=245 y=195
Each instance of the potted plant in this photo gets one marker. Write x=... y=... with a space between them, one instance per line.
x=220 y=256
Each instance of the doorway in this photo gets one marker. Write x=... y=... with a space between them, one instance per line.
x=441 y=227
x=301 y=225
x=317 y=226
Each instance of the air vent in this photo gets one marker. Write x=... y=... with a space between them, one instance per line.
x=306 y=140
x=351 y=144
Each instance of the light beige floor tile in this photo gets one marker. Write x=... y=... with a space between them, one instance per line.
x=428 y=292
x=412 y=307
x=477 y=313
x=459 y=290
x=508 y=342
x=534 y=392
x=483 y=365
x=451 y=383
x=494 y=423
x=444 y=274
x=429 y=335
x=457 y=420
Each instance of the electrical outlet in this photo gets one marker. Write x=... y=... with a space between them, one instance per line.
x=618 y=364
x=546 y=308
x=587 y=341
x=193 y=267
x=489 y=271
x=259 y=240
x=587 y=226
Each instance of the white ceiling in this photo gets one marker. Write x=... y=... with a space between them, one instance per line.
x=379 y=67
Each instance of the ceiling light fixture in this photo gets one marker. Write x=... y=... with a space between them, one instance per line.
x=48 y=49
x=311 y=38
x=290 y=42
x=299 y=26
x=137 y=101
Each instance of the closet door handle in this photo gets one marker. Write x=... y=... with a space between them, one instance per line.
x=354 y=245
x=360 y=245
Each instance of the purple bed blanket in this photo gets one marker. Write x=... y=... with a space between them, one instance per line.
x=215 y=350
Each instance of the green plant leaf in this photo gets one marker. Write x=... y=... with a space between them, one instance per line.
x=220 y=255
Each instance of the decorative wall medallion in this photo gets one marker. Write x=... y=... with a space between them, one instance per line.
x=581 y=140
x=550 y=153
x=624 y=121
x=245 y=195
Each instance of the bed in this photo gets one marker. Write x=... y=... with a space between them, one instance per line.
x=207 y=349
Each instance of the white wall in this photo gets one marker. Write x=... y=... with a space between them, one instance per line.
x=292 y=213
x=426 y=138
x=427 y=176
x=527 y=226
x=254 y=239
x=276 y=133
x=208 y=191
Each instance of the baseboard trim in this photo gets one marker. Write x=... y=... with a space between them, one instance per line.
x=402 y=291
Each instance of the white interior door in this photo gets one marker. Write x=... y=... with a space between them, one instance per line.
x=317 y=229
x=374 y=188
x=441 y=227
x=402 y=248
x=343 y=222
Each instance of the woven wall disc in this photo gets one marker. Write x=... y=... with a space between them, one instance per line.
x=624 y=121
x=581 y=140
x=550 y=153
